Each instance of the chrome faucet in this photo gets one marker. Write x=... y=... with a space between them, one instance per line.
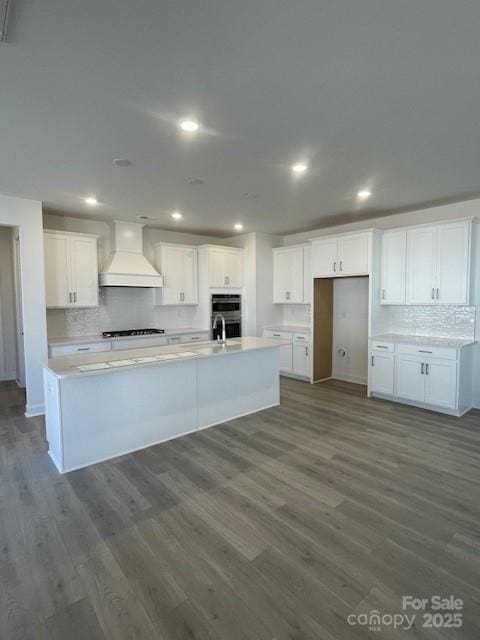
x=224 y=334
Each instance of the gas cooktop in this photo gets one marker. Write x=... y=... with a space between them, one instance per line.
x=131 y=332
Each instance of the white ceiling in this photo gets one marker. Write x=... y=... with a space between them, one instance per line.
x=377 y=93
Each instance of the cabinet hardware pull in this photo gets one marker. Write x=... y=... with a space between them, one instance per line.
x=306 y=351
x=423 y=351
x=74 y=296
x=334 y=267
x=426 y=368
x=373 y=361
x=70 y=296
x=341 y=265
x=380 y=346
x=422 y=370
x=195 y=338
x=383 y=294
x=83 y=349
x=438 y=293
x=433 y=293
x=277 y=335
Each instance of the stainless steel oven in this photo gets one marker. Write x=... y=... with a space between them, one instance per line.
x=230 y=307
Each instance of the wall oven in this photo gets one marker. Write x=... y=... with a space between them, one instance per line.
x=230 y=307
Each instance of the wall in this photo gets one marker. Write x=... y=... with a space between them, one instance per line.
x=27 y=216
x=350 y=329
x=8 y=350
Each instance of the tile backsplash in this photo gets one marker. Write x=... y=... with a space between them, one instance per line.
x=449 y=321
x=296 y=314
x=120 y=308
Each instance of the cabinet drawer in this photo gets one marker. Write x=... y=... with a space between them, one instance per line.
x=74 y=349
x=301 y=338
x=138 y=343
x=195 y=337
x=429 y=352
x=279 y=335
x=386 y=347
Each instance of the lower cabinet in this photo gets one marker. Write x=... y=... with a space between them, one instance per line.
x=294 y=354
x=423 y=375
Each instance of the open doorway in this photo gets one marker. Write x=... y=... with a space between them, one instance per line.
x=340 y=329
x=12 y=365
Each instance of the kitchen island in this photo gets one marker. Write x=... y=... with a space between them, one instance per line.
x=100 y=406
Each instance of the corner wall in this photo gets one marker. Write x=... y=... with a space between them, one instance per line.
x=27 y=216
x=8 y=338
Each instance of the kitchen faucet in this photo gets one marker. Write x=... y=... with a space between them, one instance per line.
x=224 y=335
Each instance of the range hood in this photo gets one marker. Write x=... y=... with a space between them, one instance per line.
x=127 y=266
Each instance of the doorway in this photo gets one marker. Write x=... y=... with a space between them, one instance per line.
x=340 y=329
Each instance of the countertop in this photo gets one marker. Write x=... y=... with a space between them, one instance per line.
x=68 y=366
x=431 y=341
x=98 y=338
x=291 y=328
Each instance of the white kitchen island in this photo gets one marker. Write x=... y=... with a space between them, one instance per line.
x=100 y=406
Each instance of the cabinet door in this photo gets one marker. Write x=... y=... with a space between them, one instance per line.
x=324 y=258
x=382 y=372
x=233 y=266
x=421 y=265
x=84 y=265
x=295 y=291
x=441 y=383
x=216 y=267
x=190 y=277
x=301 y=360
x=410 y=379
x=282 y=277
x=453 y=255
x=353 y=255
x=57 y=271
x=286 y=358
x=394 y=267
x=307 y=275
x=171 y=267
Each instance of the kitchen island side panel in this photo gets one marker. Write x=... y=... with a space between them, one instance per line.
x=104 y=416
x=237 y=384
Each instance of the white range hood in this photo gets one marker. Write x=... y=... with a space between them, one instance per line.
x=127 y=266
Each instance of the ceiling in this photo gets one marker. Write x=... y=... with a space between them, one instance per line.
x=376 y=94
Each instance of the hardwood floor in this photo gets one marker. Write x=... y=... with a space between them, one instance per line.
x=273 y=526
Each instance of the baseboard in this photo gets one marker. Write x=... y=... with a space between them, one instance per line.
x=7 y=377
x=33 y=410
x=422 y=405
x=354 y=380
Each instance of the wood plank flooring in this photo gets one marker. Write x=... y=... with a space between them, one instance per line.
x=273 y=526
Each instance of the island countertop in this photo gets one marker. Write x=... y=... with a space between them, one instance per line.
x=99 y=363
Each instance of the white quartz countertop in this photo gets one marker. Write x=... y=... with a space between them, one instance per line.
x=98 y=338
x=291 y=328
x=99 y=363
x=431 y=341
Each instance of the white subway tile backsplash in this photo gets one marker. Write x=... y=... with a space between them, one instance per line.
x=443 y=321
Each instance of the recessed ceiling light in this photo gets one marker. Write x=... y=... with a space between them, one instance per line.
x=195 y=181
x=299 y=167
x=176 y=215
x=189 y=125
x=90 y=200
x=122 y=162
x=364 y=194
x=238 y=226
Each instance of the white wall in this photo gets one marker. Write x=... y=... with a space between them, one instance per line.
x=8 y=350
x=27 y=216
x=350 y=329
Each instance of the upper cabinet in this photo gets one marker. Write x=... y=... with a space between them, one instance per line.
x=347 y=255
x=179 y=267
x=438 y=263
x=224 y=267
x=394 y=262
x=288 y=275
x=71 y=269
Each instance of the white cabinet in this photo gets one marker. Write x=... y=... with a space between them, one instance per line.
x=394 y=262
x=57 y=350
x=71 y=270
x=347 y=255
x=441 y=383
x=382 y=372
x=438 y=264
x=410 y=378
x=307 y=275
x=178 y=266
x=225 y=267
x=288 y=275
x=294 y=354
